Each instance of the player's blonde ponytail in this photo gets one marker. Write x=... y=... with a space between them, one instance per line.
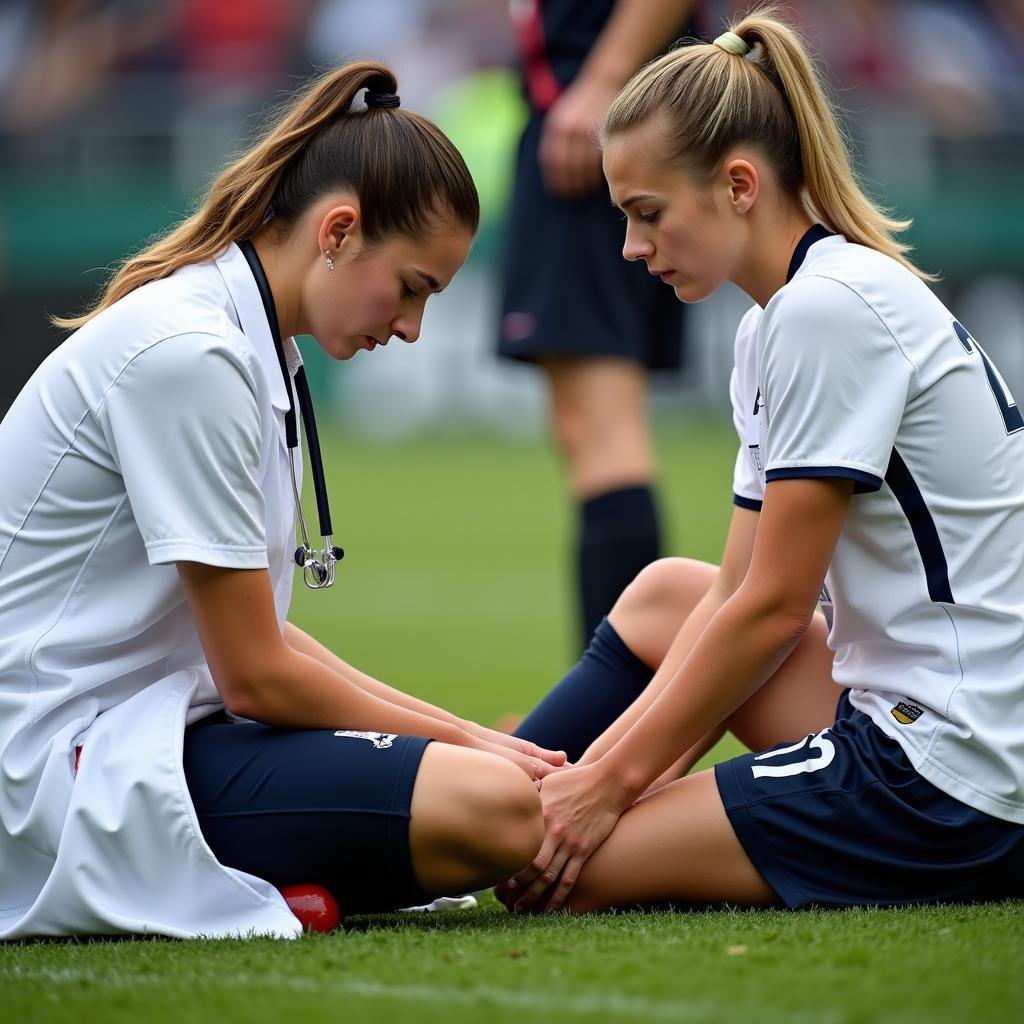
x=399 y=164
x=758 y=86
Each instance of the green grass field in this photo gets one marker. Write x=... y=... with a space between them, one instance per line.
x=456 y=587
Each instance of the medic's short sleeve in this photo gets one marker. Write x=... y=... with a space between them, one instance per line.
x=834 y=383
x=183 y=424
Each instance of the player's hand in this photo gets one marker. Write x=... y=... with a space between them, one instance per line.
x=581 y=807
x=556 y=758
x=570 y=158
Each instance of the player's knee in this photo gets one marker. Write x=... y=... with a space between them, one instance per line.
x=655 y=605
x=511 y=824
x=502 y=827
x=667 y=584
x=476 y=819
x=657 y=582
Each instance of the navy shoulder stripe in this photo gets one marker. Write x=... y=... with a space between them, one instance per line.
x=903 y=485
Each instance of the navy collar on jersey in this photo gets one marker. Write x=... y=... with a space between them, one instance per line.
x=810 y=236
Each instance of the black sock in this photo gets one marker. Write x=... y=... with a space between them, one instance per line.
x=592 y=694
x=619 y=535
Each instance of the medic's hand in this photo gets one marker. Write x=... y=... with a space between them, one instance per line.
x=555 y=758
x=570 y=158
x=522 y=753
x=581 y=807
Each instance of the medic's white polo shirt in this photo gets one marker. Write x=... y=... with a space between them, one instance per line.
x=154 y=434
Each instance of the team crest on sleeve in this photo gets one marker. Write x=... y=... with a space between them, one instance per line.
x=381 y=740
x=906 y=714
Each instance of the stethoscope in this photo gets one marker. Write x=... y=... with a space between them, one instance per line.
x=317 y=572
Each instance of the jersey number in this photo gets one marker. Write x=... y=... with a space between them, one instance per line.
x=1012 y=416
x=826 y=754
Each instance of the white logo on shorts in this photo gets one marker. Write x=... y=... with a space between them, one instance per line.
x=825 y=747
x=381 y=740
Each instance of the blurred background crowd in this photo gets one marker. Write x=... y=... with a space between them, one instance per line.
x=115 y=113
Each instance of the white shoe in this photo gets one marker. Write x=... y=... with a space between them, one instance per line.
x=443 y=903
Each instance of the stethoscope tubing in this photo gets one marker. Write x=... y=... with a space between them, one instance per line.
x=317 y=573
x=323 y=508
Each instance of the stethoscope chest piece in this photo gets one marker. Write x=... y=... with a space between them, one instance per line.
x=318 y=572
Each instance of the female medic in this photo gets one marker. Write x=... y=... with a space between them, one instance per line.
x=172 y=749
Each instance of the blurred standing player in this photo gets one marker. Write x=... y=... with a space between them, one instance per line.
x=593 y=323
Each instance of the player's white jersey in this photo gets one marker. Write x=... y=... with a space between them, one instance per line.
x=855 y=369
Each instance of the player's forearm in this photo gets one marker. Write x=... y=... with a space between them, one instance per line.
x=301 y=641
x=687 y=636
x=742 y=645
x=636 y=31
x=296 y=691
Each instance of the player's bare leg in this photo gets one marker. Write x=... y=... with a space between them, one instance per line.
x=658 y=617
x=475 y=820
x=679 y=831
x=653 y=608
x=798 y=699
x=689 y=852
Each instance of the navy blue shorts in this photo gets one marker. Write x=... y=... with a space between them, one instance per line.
x=843 y=819
x=567 y=289
x=314 y=806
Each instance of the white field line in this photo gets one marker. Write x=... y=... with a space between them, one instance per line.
x=602 y=1005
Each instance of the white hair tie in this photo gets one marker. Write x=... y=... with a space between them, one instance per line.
x=732 y=43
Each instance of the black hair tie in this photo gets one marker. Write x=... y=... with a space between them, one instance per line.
x=375 y=100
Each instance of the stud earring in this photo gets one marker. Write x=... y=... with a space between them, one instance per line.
x=330 y=262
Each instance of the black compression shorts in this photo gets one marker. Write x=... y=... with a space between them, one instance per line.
x=309 y=806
